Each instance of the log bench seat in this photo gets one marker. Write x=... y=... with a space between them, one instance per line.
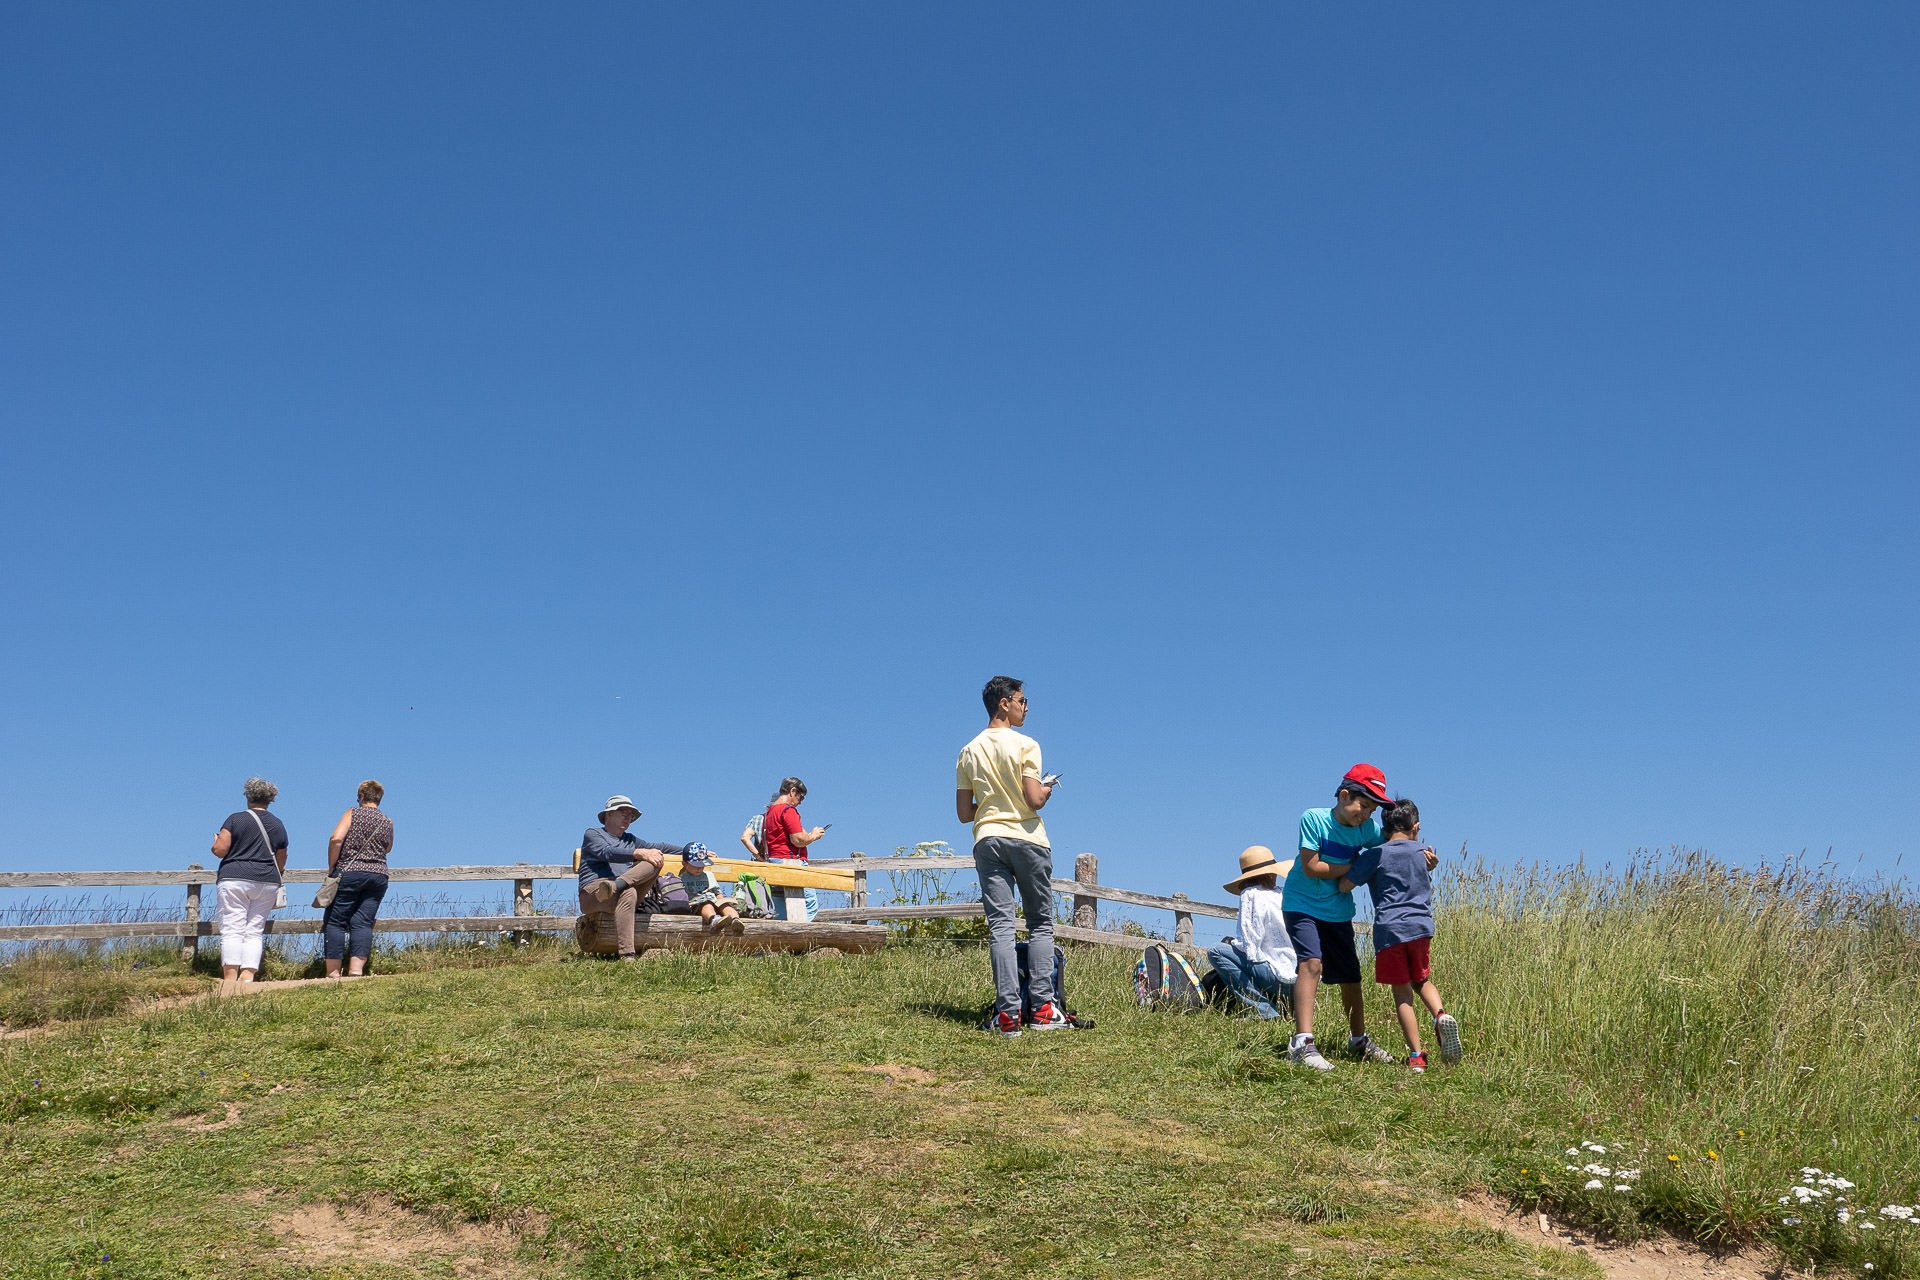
x=686 y=933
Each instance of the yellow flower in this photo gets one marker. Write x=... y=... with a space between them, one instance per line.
x=1741 y=1132
x=1675 y=1159
x=1712 y=1154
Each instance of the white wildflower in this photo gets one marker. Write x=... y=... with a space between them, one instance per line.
x=1573 y=1151
x=1628 y=1174
x=1621 y=1186
x=1600 y=1169
x=1593 y=1184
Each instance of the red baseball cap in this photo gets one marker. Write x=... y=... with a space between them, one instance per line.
x=1366 y=779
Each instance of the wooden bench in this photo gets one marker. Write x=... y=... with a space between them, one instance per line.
x=792 y=931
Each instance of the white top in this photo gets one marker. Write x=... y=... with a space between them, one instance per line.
x=1263 y=934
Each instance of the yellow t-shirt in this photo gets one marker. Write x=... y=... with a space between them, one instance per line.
x=991 y=767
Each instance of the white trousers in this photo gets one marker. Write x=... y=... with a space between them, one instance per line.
x=244 y=905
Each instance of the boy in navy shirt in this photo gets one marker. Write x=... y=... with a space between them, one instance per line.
x=1396 y=874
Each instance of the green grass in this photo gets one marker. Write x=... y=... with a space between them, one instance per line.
x=720 y=1114
x=65 y=982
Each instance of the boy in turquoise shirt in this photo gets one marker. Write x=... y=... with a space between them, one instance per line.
x=1319 y=917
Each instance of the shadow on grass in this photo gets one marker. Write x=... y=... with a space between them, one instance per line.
x=968 y=1016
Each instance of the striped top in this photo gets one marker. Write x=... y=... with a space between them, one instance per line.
x=369 y=841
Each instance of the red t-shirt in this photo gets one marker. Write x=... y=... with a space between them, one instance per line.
x=783 y=820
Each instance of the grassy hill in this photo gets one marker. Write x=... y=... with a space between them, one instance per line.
x=747 y=1116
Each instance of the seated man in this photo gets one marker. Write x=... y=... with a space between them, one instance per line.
x=1258 y=966
x=617 y=868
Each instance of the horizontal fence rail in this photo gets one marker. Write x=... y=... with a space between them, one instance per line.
x=197 y=875
x=1085 y=888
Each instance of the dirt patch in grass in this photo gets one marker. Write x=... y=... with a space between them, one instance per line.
x=894 y=1073
x=385 y=1233
x=199 y=1124
x=1659 y=1257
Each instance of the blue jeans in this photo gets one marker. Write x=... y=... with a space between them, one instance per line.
x=1256 y=982
x=349 y=925
x=1004 y=864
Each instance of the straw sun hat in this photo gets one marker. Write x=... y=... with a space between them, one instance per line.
x=1256 y=860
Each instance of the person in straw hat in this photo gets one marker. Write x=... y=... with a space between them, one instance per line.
x=1258 y=965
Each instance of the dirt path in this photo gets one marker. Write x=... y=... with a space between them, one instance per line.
x=1662 y=1257
x=219 y=991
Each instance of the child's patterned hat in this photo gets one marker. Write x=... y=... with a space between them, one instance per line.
x=697 y=855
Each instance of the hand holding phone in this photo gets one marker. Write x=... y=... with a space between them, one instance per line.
x=1051 y=780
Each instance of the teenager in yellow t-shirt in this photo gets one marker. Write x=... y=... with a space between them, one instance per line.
x=1000 y=789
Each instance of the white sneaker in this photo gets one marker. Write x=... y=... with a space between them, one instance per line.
x=1367 y=1051
x=1048 y=1018
x=1002 y=1024
x=1307 y=1054
x=1449 y=1032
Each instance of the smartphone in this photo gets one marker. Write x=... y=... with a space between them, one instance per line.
x=828 y=827
x=1051 y=780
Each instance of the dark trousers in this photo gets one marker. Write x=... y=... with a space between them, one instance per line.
x=349 y=926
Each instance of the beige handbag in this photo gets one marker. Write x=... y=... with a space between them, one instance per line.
x=280 y=897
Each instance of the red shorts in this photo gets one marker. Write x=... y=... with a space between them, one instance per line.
x=1404 y=962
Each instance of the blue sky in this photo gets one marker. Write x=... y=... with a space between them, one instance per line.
x=520 y=406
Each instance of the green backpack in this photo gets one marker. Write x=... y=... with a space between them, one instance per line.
x=753 y=898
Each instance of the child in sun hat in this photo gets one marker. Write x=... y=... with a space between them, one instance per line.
x=705 y=894
x=1395 y=872
x=1258 y=965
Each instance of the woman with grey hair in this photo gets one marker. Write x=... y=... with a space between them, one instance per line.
x=252 y=848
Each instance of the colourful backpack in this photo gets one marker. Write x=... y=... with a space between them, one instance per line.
x=1164 y=978
x=753 y=898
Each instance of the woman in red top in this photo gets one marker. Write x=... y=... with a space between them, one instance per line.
x=787 y=840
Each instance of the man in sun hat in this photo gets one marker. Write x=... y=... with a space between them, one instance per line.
x=1258 y=965
x=1319 y=917
x=617 y=868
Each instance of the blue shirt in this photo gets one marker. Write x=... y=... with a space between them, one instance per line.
x=1318 y=898
x=1396 y=875
x=608 y=857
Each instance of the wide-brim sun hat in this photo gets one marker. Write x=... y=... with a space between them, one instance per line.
x=1255 y=861
x=618 y=802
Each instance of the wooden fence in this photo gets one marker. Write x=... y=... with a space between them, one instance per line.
x=1085 y=887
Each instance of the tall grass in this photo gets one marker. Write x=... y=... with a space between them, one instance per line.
x=1718 y=1030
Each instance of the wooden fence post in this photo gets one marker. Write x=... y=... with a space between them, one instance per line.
x=1086 y=911
x=522 y=906
x=859 y=895
x=190 y=949
x=1183 y=924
